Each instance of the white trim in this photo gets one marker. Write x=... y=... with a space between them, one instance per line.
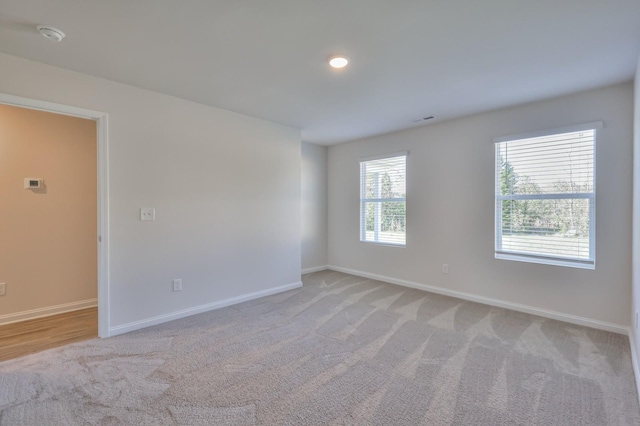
x=314 y=269
x=102 y=120
x=47 y=311
x=136 y=325
x=377 y=200
x=378 y=243
x=546 y=260
x=104 y=303
x=634 y=360
x=594 y=125
x=540 y=257
x=49 y=106
x=383 y=156
x=560 y=316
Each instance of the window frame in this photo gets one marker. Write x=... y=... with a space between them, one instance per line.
x=364 y=201
x=542 y=258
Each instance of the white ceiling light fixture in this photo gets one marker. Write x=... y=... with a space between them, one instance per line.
x=338 y=61
x=51 y=33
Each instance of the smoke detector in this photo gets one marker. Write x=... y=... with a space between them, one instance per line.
x=51 y=33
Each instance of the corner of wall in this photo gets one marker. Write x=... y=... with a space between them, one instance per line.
x=314 y=207
x=634 y=332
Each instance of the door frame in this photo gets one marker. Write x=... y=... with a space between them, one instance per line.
x=102 y=120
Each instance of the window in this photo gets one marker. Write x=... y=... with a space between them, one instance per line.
x=545 y=197
x=383 y=199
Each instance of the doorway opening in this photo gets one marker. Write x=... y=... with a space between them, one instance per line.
x=62 y=215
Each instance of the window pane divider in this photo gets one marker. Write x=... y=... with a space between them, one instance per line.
x=381 y=200
x=560 y=196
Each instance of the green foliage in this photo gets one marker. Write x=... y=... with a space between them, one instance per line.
x=508 y=178
x=393 y=213
x=568 y=217
x=508 y=183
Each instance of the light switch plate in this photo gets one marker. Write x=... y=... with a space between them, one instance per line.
x=3 y=289
x=147 y=213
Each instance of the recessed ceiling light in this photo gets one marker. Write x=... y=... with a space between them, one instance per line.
x=51 y=33
x=338 y=61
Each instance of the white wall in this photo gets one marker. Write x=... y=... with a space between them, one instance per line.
x=226 y=189
x=636 y=217
x=314 y=206
x=450 y=209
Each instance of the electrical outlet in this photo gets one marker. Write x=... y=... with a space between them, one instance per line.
x=3 y=289
x=445 y=268
x=177 y=284
x=147 y=213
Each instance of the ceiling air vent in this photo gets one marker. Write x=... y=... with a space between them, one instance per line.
x=420 y=120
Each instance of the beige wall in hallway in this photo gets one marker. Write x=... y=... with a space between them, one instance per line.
x=48 y=237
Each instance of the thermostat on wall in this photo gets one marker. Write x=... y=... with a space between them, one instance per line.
x=33 y=183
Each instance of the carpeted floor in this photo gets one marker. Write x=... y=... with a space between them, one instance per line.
x=342 y=350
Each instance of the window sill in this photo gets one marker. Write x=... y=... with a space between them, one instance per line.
x=580 y=264
x=384 y=244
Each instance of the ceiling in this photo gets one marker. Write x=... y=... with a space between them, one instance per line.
x=268 y=59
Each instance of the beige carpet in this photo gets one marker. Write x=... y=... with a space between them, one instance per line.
x=342 y=350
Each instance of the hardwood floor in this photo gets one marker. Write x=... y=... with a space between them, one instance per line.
x=27 y=337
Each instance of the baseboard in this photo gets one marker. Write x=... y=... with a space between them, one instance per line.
x=573 y=319
x=634 y=360
x=314 y=269
x=47 y=311
x=136 y=325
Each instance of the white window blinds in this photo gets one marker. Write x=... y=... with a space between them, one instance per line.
x=383 y=200
x=545 y=198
